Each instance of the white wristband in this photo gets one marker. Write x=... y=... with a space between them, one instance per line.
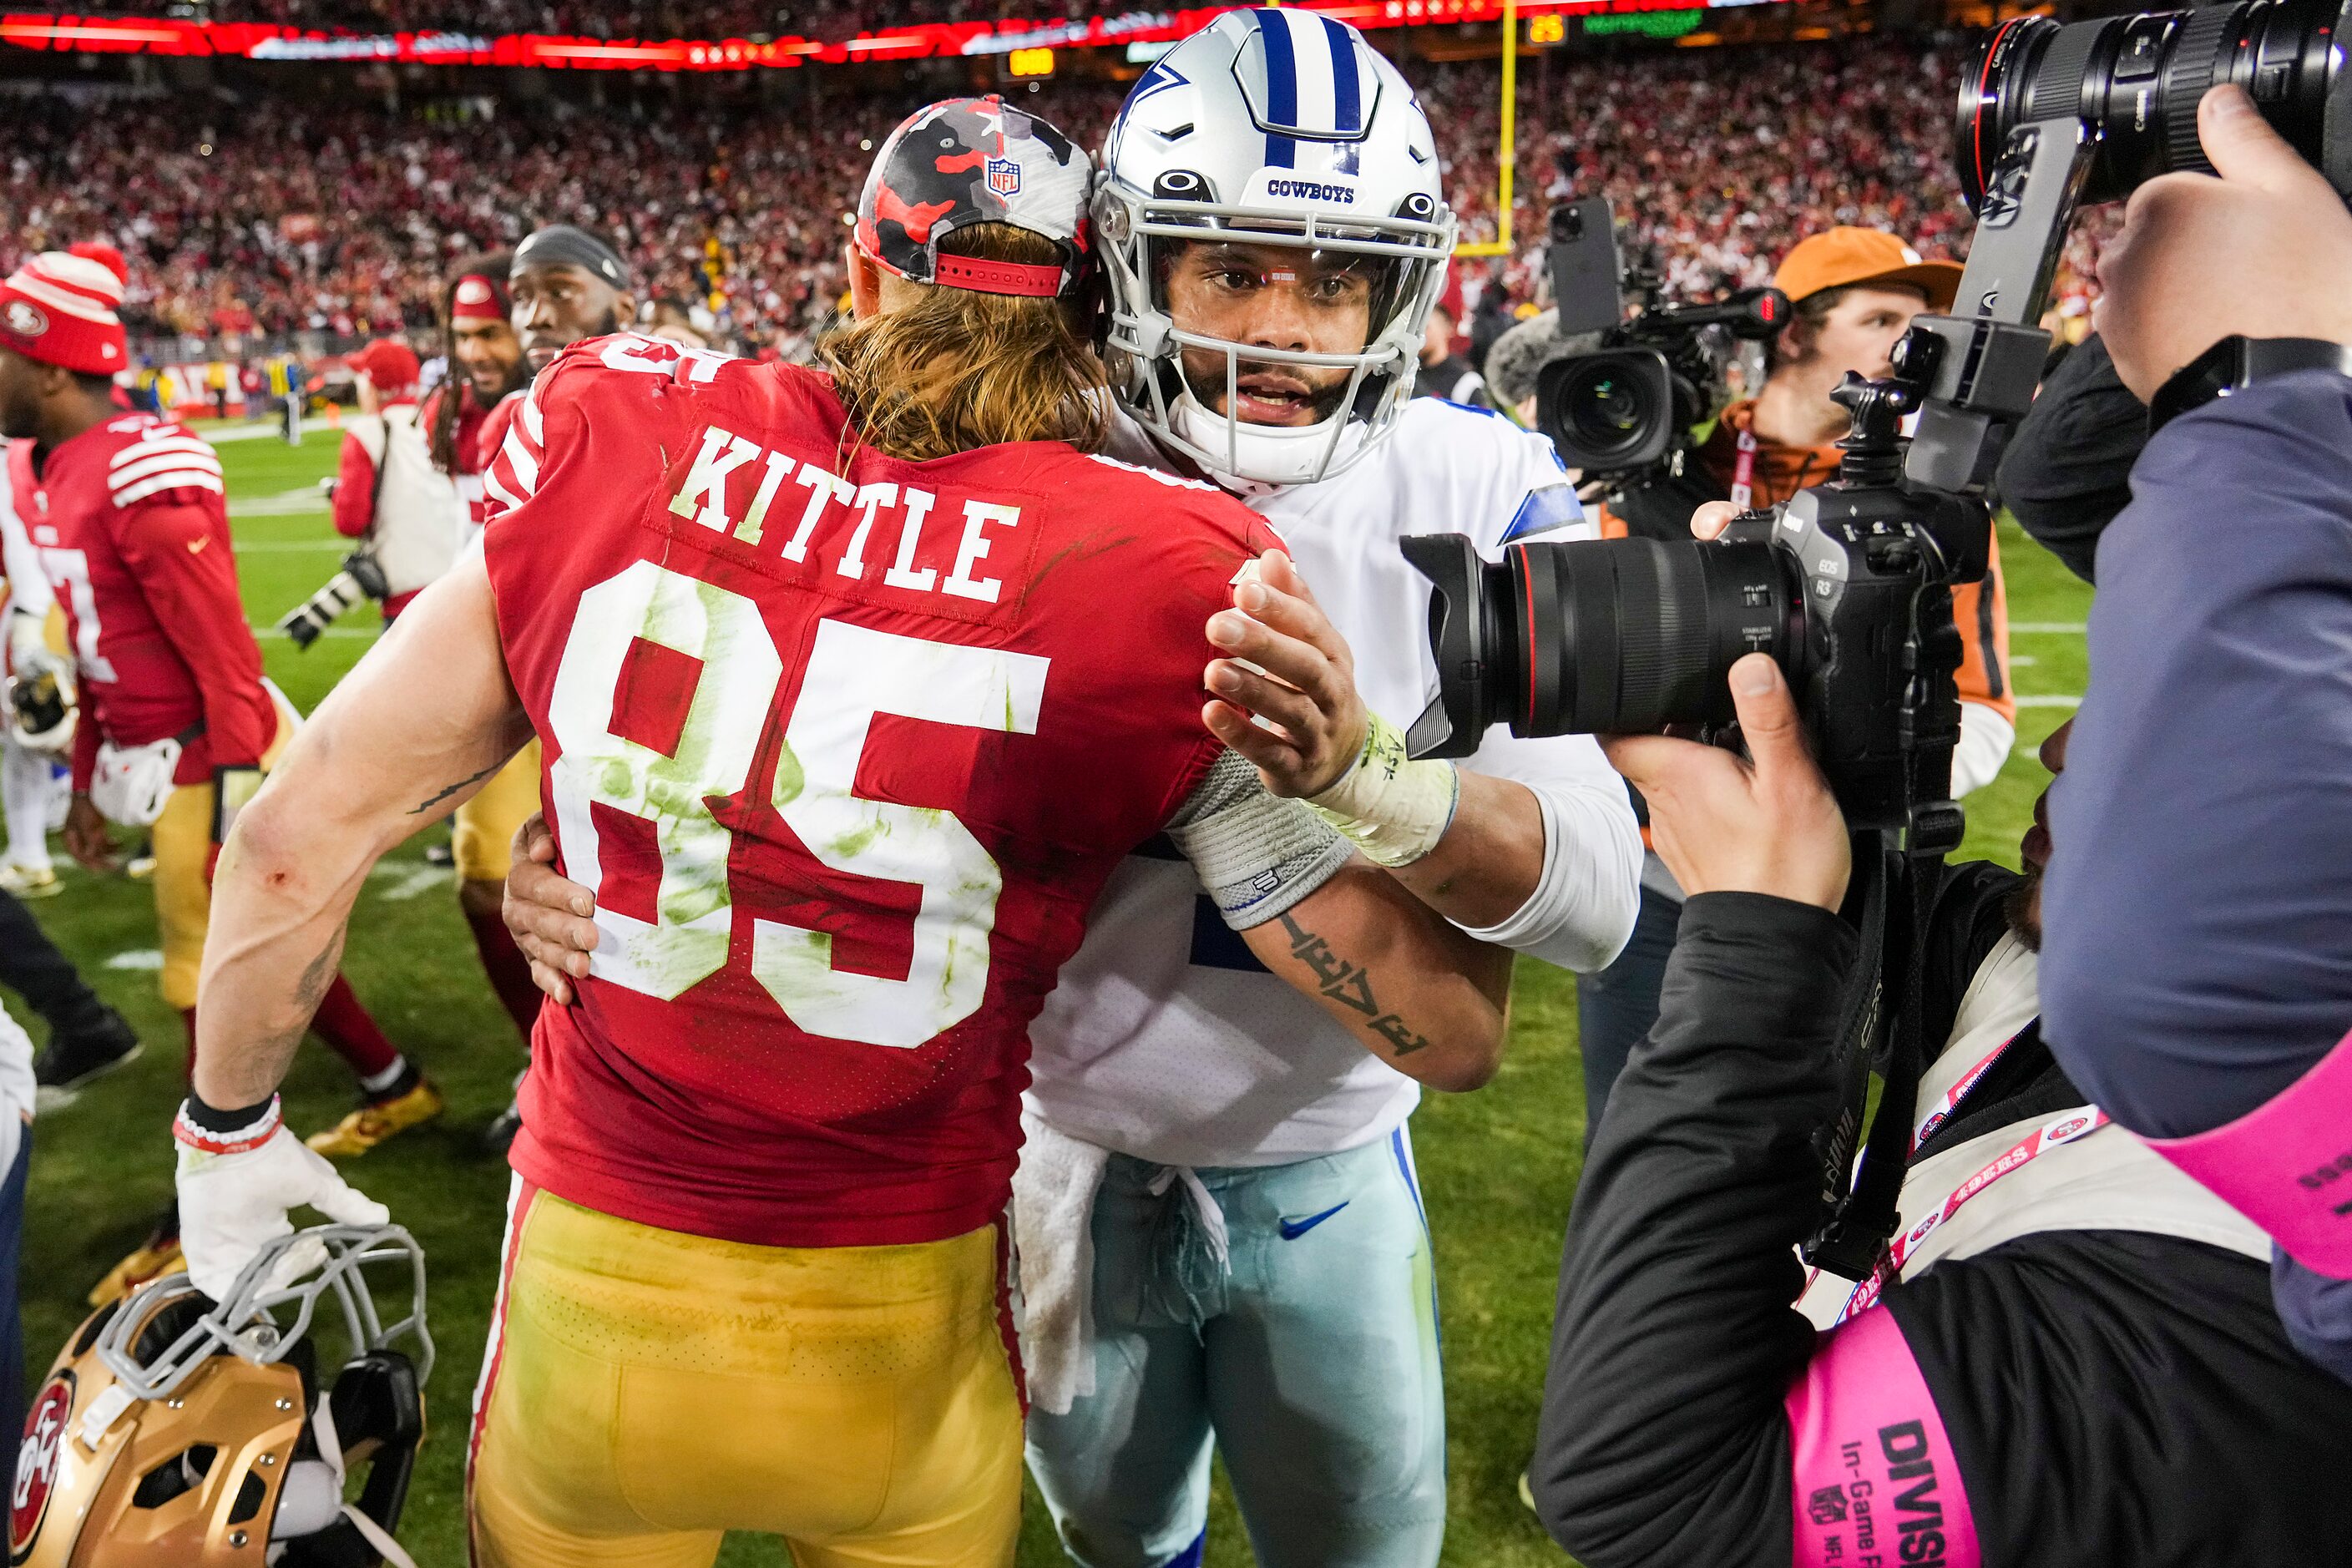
x=1257 y=855
x=1389 y=806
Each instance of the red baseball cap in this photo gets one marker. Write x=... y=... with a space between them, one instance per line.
x=389 y=364
x=62 y=308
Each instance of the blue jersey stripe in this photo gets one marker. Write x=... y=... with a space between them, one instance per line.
x=1346 y=107
x=1554 y=506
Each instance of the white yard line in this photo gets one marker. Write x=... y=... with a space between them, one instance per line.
x=2045 y=700
x=413 y=882
x=2053 y=628
x=285 y=503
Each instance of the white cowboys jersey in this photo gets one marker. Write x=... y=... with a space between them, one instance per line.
x=1164 y=1038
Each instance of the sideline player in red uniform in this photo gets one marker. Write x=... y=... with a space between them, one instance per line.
x=565 y=284
x=485 y=363
x=849 y=713
x=485 y=367
x=177 y=725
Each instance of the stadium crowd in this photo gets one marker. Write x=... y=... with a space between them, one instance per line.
x=227 y=237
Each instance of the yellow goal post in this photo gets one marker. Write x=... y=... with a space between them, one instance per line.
x=1506 y=149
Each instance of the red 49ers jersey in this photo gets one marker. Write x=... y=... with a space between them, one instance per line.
x=846 y=746
x=129 y=520
x=490 y=434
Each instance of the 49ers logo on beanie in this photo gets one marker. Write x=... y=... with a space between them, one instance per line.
x=62 y=308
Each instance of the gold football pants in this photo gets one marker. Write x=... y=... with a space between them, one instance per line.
x=183 y=836
x=647 y=1391
x=481 y=836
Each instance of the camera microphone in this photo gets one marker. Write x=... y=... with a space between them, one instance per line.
x=1752 y=314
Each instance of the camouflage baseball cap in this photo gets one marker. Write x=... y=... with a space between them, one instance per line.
x=976 y=159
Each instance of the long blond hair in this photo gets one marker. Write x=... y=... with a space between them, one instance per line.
x=946 y=370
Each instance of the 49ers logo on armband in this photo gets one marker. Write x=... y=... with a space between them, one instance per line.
x=24 y=319
x=37 y=1463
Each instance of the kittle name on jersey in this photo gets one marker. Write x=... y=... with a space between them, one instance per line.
x=887 y=519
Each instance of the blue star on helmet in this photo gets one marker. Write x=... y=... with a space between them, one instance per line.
x=1159 y=79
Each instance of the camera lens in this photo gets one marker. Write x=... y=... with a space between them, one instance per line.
x=1620 y=636
x=1598 y=636
x=1606 y=410
x=2136 y=81
x=1614 y=408
x=1609 y=411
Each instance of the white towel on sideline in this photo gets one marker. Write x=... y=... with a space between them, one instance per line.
x=1053 y=1218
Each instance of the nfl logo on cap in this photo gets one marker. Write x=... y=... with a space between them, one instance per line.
x=1004 y=176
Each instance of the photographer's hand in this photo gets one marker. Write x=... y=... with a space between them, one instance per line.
x=2260 y=252
x=1308 y=686
x=1724 y=824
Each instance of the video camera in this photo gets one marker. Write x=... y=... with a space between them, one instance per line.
x=1847 y=584
x=1622 y=413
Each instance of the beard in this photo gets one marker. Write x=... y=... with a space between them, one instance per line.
x=517 y=376
x=2021 y=908
x=602 y=327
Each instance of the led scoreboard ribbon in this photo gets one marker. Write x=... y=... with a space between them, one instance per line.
x=67 y=32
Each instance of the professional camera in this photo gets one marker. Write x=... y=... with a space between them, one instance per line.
x=1846 y=584
x=1624 y=411
x=361 y=578
x=1844 y=587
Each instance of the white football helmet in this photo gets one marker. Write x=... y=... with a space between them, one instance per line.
x=1270 y=127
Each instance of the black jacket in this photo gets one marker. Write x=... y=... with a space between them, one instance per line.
x=2110 y=1397
x=2065 y=473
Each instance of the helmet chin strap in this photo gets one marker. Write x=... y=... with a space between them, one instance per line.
x=325 y=1478
x=1271 y=455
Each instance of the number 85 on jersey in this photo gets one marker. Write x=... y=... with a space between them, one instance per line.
x=854 y=674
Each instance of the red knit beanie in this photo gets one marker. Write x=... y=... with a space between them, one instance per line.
x=61 y=308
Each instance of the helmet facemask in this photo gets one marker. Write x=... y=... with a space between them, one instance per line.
x=1143 y=242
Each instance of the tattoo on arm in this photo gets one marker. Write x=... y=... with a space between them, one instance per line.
x=308 y=992
x=424 y=806
x=1351 y=986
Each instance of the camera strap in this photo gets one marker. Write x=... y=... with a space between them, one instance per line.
x=376 y=491
x=1861 y=1019
x=1743 y=471
x=1897 y=906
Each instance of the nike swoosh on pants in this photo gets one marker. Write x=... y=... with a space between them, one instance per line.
x=1292 y=1229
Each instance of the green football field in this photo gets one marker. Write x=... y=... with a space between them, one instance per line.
x=1499 y=1166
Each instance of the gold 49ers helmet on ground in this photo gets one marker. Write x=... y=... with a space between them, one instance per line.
x=177 y=1431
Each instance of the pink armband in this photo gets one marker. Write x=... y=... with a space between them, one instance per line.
x=1872 y=1478
x=2287 y=1164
